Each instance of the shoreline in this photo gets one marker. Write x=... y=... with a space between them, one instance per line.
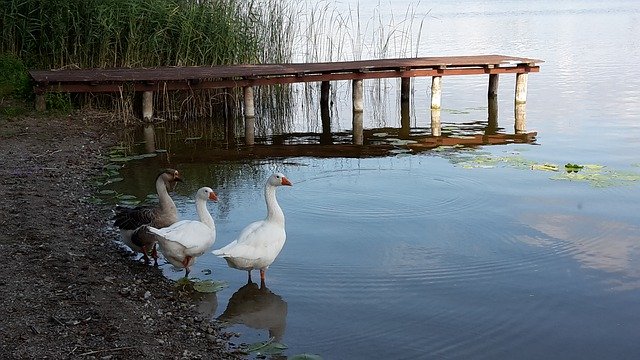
x=68 y=289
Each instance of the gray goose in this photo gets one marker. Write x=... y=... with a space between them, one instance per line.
x=131 y=221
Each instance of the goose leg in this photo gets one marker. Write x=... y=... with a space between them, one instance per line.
x=154 y=254
x=185 y=263
x=262 y=276
x=144 y=254
x=249 y=278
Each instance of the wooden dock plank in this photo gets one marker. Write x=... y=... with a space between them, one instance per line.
x=300 y=72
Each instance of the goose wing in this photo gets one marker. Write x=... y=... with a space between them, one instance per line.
x=188 y=233
x=127 y=218
x=259 y=240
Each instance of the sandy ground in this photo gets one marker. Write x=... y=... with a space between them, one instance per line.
x=67 y=289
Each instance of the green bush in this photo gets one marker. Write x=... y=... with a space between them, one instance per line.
x=14 y=78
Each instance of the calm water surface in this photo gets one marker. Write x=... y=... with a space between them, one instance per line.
x=439 y=255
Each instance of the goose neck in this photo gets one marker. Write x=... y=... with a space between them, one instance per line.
x=163 y=195
x=203 y=213
x=274 y=212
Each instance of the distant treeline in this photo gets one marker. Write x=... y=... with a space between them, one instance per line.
x=114 y=33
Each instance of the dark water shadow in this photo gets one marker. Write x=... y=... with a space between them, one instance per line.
x=258 y=308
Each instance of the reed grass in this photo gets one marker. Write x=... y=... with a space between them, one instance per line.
x=129 y=33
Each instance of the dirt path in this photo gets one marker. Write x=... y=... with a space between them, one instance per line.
x=67 y=291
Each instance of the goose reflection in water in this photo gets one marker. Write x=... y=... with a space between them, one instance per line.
x=207 y=304
x=257 y=308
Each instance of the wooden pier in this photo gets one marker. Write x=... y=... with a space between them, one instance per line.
x=149 y=80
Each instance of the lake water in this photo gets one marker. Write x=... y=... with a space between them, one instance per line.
x=453 y=253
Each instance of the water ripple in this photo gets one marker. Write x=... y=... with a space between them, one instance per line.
x=405 y=195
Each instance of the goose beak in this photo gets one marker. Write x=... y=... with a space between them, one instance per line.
x=213 y=197
x=286 y=181
x=177 y=177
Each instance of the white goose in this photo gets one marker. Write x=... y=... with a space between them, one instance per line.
x=260 y=242
x=182 y=242
x=131 y=220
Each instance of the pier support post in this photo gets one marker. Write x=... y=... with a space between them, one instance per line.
x=358 y=109
x=521 y=88
x=405 y=116
x=325 y=89
x=249 y=116
x=436 y=128
x=520 y=103
x=147 y=106
x=41 y=103
x=493 y=86
x=521 y=119
x=149 y=138
x=436 y=92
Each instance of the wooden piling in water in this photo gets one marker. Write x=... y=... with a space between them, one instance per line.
x=358 y=109
x=436 y=92
x=520 y=103
x=521 y=88
x=520 y=126
x=249 y=116
x=493 y=86
x=436 y=128
x=147 y=106
x=325 y=90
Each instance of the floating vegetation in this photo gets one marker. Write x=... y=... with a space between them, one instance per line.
x=544 y=167
x=269 y=347
x=573 y=167
x=202 y=286
x=599 y=176
x=596 y=175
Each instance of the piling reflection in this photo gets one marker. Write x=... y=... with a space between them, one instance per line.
x=258 y=308
x=370 y=142
x=492 y=116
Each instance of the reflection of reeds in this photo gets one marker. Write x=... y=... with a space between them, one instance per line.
x=330 y=33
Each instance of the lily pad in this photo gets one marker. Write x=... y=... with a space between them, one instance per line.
x=573 y=167
x=113 y=179
x=209 y=286
x=95 y=200
x=268 y=347
x=126 y=197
